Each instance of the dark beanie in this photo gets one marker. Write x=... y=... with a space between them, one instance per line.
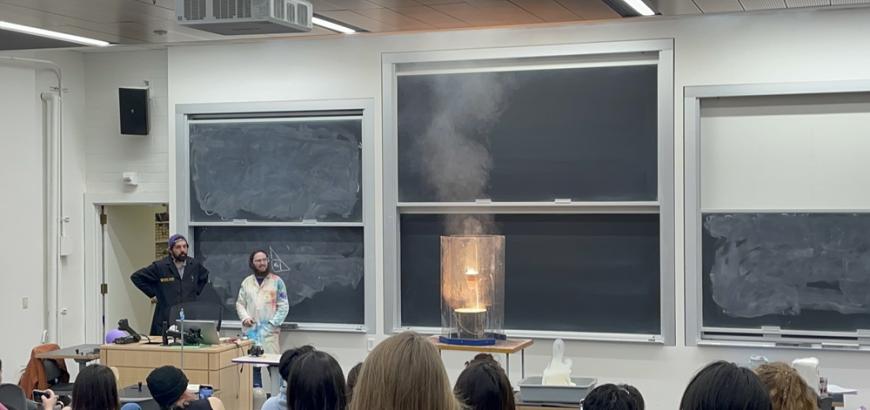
x=167 y=384
x=175 y=238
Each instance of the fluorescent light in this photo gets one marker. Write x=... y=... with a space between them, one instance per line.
x=640 y=7
x=332 y=26
x=52 y=34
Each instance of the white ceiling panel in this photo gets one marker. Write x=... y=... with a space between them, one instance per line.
x=494 y=13
x=793 y=4
x=677 y=7
x=394 y=19
x=753 y=5
x=718 y=6
x=546 y=10
x=430 y=16
x=589 y=9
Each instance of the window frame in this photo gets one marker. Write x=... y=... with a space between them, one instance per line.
x=658 y=52
x=185 y=114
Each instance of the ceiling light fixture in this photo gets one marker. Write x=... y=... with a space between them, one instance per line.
x=329 y=25
x=640 y=7
x=52 y=34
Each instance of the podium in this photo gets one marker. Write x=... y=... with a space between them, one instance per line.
x=211 y=365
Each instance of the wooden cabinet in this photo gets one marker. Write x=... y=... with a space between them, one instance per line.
x=203 y=365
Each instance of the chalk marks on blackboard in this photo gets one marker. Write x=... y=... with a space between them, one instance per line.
x=276 y=170
x=786 y=263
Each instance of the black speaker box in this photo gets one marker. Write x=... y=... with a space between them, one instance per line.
x=133 y=104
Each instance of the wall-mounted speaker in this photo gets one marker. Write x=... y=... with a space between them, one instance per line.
x=133 y=104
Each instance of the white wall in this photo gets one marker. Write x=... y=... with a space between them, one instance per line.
x=110 y=154
x=725 y=49
x=21 y=167
x=22 y=259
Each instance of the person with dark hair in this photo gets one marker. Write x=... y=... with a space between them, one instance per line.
x=483 y=385
x=316 y=382
x=725 y=386
x=279 y=401
x=352 y=375
x=95 y=389
x=613 y=397
x=170 y=281
x=262 y=306
x=168 y=386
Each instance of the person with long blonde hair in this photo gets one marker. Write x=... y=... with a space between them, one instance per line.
x=788 y=391
x=404 y=372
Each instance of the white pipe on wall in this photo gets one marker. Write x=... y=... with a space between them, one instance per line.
x=53 y=228
x=52 y=189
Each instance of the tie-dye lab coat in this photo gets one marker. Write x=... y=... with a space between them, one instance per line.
x=267 y=305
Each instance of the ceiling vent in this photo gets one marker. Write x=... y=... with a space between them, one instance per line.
x=240 y=17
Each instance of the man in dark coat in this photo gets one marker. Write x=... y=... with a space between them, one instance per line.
x=170 y=281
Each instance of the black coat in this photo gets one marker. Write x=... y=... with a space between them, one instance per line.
x=161 y=279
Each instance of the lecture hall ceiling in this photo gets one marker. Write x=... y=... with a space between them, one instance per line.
x=153 y=21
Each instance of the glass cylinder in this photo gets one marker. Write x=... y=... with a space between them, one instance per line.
x=472 y=288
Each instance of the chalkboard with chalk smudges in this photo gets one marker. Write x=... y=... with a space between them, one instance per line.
x=323 y=268
x=798 y=271
x=281 y=170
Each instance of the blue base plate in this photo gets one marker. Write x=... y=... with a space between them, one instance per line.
x=466 y=342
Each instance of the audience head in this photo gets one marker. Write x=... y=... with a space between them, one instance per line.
x=725 y=386
x=95 y=389
x=289 y=356
x=316 y=382
x=483 y=385
x=168 y=386
x=614 y=397
x=404 y=372
x=352 y=375
x=788 y=391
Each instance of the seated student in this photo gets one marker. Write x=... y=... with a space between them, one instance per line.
x=725 y=386
x=316 y=382
x=788 y=391
x=404 y=372
x=168 y=386
x=95 y=389
x=352 y=376
x=613 y=397
x=279 y=402
x=483 y=385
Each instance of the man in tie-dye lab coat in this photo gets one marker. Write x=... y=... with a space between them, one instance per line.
x=263 y=302
x=262 y=306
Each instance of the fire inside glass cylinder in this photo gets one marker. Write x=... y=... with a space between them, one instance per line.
x=472 y=286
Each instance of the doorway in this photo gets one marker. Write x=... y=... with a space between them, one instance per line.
x=133 y=236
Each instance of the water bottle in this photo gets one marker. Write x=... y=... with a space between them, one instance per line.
x=259 y=397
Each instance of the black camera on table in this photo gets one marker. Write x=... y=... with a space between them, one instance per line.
x=256 y=351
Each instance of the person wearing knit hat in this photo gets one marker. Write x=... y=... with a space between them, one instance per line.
x=168 y=386
x=170 y=281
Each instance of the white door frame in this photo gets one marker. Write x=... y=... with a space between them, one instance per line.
x=93 y=240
